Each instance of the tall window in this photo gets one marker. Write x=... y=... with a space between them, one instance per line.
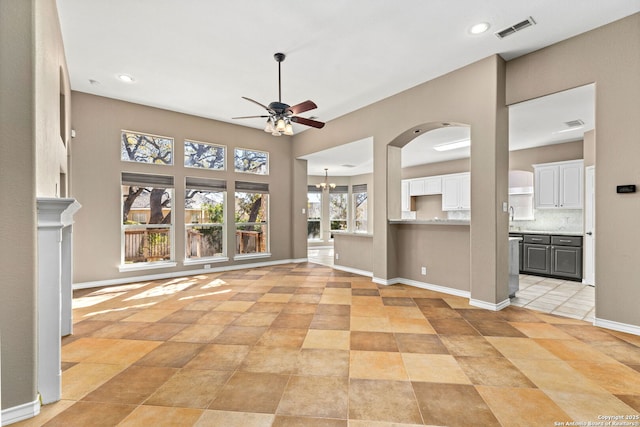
x=143 y=148
x=252 y=217
x=338 y=207
x=204 y=218
x=314 y=212
x=251 y=161
x=147 y=220
x=359 y=199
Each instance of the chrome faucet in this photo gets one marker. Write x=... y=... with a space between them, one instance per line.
x=511 y=213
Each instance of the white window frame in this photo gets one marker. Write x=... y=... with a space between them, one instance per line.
x=206 y=185
x=253 y=188
x=148 y=181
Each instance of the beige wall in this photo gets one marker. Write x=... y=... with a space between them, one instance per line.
x=438 y=248
x=471 y=95
x=354 y=251
x=439 y=168
x=524 y=159
x=97 y=167
x=589 y=148
x=31 y=158
x=610 y=57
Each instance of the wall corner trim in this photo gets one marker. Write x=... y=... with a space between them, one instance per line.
x=490 y=306
x=617 y=326
x=423 y=285
x=182 y=273
x=20 y=412
x=353 y=270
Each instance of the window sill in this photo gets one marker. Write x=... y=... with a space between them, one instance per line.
x=201 y=261
x=252 y=256
x=146 y=266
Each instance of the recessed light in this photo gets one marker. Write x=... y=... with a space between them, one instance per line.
x=479 y=28
x=126 y=78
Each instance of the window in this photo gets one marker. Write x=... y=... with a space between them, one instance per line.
x=147 y=220
x=359 y=209
x=251 y=161
x=204 y=218
x=338 y=207
x=252 y=218
x=143 y=148
x=203 y=155
x=314 y=212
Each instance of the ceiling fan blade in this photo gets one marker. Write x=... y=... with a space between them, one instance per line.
x=250 y=117
x=307 y=122
x=256 y=102
x=302 y=107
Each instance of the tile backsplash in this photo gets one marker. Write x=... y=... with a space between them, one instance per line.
x=568 y=220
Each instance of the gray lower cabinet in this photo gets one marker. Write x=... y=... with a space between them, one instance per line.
x=566 y=257
x=537 y=258
x=557 y=256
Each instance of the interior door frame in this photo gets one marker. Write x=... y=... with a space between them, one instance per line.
x=589 y=226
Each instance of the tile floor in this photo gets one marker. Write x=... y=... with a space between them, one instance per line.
x=562 y=297
x=306 y=345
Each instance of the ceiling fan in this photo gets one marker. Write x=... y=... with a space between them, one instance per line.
x=281 y=115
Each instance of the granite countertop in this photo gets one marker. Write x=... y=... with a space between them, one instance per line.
x=430 y=221
x=553 y=232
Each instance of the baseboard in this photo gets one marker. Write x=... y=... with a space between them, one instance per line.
x=173 y=274
x=20 y=412
x=422 y=285
x=490 y=306
x=617 y=326
x=353 y=270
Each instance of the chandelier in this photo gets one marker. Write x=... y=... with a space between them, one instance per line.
x=326 y=184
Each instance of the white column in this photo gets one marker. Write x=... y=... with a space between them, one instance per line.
x=53 y=216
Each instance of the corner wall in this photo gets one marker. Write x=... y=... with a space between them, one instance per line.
x=32 y=157
x=610 y=57
x=472 y=95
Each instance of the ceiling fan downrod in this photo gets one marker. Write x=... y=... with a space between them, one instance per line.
x=279 y=58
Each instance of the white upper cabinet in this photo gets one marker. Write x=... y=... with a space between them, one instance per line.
x=406 y=198
x=559 y=185
x=425 y=186
x=456 y=192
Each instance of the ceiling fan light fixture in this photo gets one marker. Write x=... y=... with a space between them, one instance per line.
x=280 y=125
x=269 y=126
x=288 y=129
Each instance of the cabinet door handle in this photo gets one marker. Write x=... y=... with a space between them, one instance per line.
x=533 y=239
x=565 y=241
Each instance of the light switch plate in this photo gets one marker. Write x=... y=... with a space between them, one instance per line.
x=505 y=206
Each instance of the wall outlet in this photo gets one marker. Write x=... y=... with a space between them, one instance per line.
x=423 y=271
x=304 y=211
x=337 y=256
x=207 y=266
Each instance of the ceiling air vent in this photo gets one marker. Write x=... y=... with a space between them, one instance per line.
x=516 y=27
x=574 y=123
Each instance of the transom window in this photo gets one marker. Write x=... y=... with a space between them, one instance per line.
x=251 y=161
x=145 y=148
x=204 y=155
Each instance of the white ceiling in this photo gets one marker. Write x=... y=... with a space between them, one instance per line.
x=201 y=56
